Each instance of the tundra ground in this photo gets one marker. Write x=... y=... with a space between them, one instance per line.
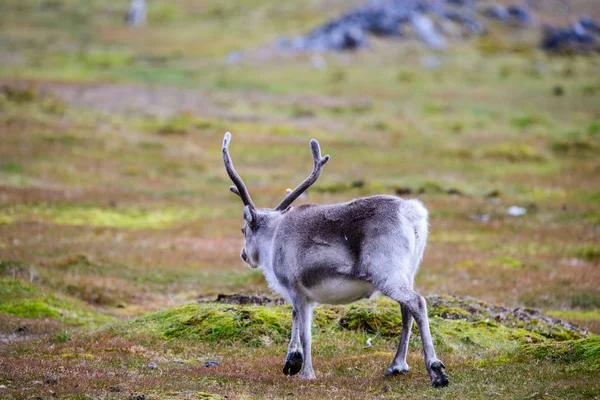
x=115 y=218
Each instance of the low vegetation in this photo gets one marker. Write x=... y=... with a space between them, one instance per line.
x=23 y=300
x=199 y=346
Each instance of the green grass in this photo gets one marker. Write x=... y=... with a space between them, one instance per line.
x=222 y=324
x=576 y=315
x=24 y=300
x=586 y=350
x=124 y=217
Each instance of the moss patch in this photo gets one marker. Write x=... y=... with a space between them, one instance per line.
x=25 y=300
x=219 y=322
x=507 y=262
x=456 y=323
x=590 y=253
x=513 y=152
x=126 y=217
x=520 y=318
x=383 y=320
x=591 y=315
x=587 y=350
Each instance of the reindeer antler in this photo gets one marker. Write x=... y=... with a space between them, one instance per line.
x=240 y=187
x=319 y=162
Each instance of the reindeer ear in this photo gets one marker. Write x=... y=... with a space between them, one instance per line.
x=250 y=215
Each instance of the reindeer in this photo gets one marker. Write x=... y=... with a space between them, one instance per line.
x=338 y=254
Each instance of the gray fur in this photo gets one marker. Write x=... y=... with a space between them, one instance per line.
x=338 y=254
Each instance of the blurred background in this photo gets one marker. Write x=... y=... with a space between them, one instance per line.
x=113 y=196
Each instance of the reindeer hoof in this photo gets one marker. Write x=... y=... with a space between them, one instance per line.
x=308 y=375
x=437 y=374
x=293 y=363
x=396 y=370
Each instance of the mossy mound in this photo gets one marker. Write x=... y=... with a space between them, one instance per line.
x=383 y=320
x=383 y=317
x=24 y=300
x=253 y=325
x=470 y=309
x=458 y=325
x=587 y=349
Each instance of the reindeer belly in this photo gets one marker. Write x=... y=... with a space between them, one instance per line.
x=339 y=290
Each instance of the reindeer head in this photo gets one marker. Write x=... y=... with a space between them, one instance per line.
x=258 y=223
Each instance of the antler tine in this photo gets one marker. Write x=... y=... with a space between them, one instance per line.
x=240 y=187
x=319 y=162
x=234 y=190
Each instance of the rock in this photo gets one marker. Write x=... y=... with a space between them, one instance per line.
x=136 y=16
x=342 y=34
x=493 y=194
x=234 y=57
x=318 y=62
x=473 y=26
x=386 y=18
x=454 y=191
x=22 y=330
x=136 y=396
x=589 y=24
x=519 y=15
x=402 y=191
x=50 y=380
x=210 y=364
x=558 y=90
x=349 y=31
x=516 y=211
x=243 y=299
x=427 y=31
x=348 y=38
x=496 y=12
x=467 y=21
x=573 y=39
x=456 y=2
x=525 y=318
x=482 y=217
x=152 y=365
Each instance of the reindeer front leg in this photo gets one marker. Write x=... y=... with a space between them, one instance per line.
x=306 y=315
x=299 y=350
x=294 y=358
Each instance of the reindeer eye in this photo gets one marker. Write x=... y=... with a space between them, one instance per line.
x=243 y=231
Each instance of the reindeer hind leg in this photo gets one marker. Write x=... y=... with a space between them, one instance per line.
x=400 y=290
x=399 y=365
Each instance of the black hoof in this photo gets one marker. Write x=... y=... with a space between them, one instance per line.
x=293 y=363
x=391 y=371
x=437 y=374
